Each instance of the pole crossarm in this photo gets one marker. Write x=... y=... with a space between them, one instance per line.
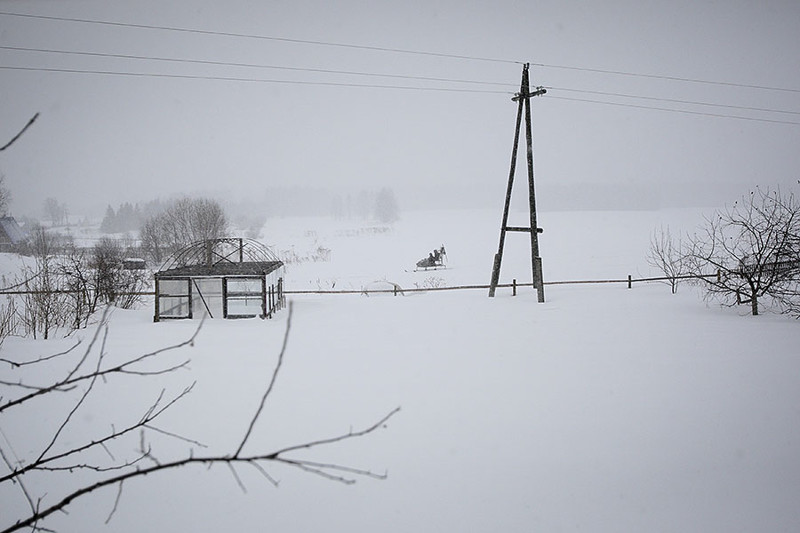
x=538 y=92
x=526 y=230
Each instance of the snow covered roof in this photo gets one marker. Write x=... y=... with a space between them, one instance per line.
x=10 y=232
x=221 y=257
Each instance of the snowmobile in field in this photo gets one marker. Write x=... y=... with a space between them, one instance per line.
x=435 y=260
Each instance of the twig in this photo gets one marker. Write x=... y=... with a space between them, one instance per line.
x=347 y=436
x=237 y=478
x=271 y=383
x=175 y=435
x=116 y=503
x=17 y=364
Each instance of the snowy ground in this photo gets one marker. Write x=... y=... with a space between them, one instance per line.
x=603 y=409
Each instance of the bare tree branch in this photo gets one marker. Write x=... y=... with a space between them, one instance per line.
x=122 y=368
x=18 y=135
x=317 y=468
x=119 y=471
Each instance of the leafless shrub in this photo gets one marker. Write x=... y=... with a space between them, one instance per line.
x=431 y=282
x=98 y=276
x=8 y=319
x=666 y=255
x=44 y=306
x=88 y=371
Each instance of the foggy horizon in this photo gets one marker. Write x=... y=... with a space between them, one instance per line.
x=686 y=104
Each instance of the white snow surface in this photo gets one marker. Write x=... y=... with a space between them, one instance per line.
x=602 y=409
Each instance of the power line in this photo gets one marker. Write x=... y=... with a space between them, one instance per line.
x=372 y=74
x=249 y=65
x=370 y=86
x=683 y=111
x=262 y=37
x=675 y=101
x=393 y=50
x=670 y=78
x=248 y=80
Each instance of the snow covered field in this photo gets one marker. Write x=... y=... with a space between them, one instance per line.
x=603 y=409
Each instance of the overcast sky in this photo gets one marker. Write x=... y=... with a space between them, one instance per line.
x=160 y=128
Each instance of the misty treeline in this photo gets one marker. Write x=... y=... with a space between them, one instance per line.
x=129 y=217
x=62 y=285
x=379 y=205
x=745 y=254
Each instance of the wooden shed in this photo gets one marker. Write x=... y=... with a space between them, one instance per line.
x=220 y=278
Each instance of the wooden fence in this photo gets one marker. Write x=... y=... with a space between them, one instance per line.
x=629 y=281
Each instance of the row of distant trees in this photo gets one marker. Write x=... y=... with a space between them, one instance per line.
x=746 y=254
x=66 y=284
x=381 y=205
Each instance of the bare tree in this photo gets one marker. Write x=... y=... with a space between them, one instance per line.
x=755 y=245
x=386 y=210
x=185 y=221
x=86 y=373
x=666 y=255
x=56 y=211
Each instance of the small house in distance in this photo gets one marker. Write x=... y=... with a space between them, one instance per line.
x=221 y=278
x=11 y=235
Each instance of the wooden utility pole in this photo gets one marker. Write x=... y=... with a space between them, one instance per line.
x=524 y=100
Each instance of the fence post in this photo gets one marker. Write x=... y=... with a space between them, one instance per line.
x=514 y=287
x=629 y=281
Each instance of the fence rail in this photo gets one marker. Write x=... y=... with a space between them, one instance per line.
x=400 y=290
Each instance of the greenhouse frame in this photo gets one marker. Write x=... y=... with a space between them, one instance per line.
x=220 y=278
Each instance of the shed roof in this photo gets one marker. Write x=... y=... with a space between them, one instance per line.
x=10 y=232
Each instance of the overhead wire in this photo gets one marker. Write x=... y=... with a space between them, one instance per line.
x=393 y=50
x=259 y=36
x=248 y=65
x=672 y=110
x=673 y=100
x=248 y=80
x=669 y=78
x=380 y=75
